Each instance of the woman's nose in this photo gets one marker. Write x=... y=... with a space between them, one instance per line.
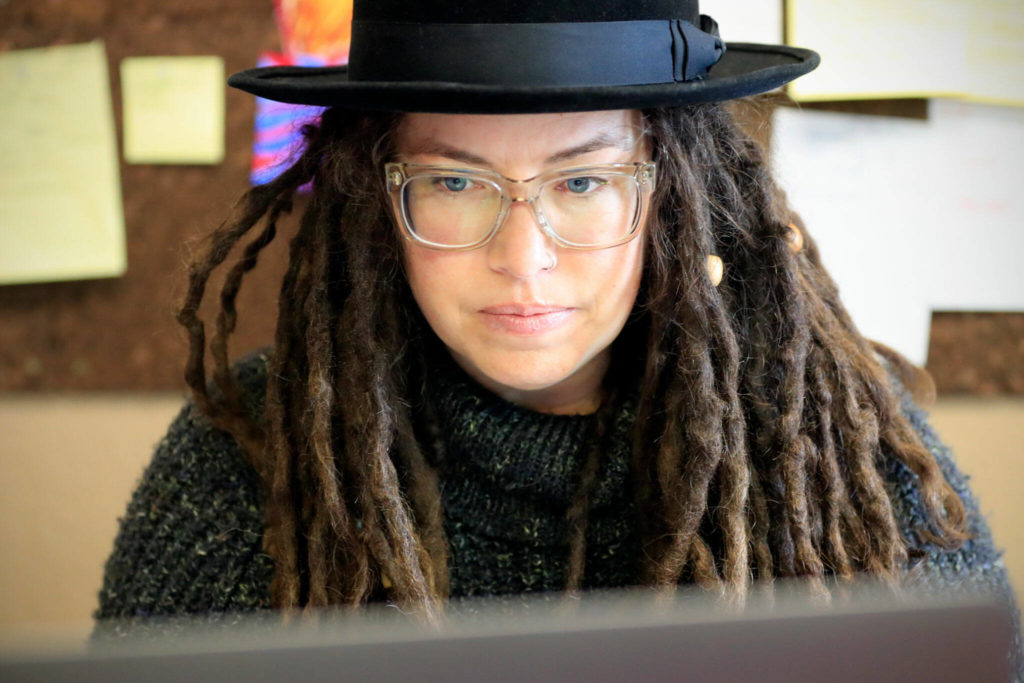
x=521 y=248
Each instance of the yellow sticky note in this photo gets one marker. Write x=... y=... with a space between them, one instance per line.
x=173 y=110
x=60 y=186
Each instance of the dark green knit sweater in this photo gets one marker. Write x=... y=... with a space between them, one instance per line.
x=190 y=542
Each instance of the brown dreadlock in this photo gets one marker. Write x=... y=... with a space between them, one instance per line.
x=763 y=419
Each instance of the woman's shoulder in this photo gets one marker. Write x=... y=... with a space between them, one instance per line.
x=191 y=538
x=976 y=565
x=250 y=372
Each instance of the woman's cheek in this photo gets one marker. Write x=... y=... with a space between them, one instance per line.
x=437 y=281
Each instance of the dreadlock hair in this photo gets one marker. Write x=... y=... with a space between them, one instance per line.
x=764 y=419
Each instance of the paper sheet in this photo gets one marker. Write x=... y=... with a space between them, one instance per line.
x=911 y=216
x=173 y=109
x=972 y=49
x=60 y=188
x=743 y=21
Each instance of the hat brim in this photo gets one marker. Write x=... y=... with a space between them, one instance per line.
x=745 y=69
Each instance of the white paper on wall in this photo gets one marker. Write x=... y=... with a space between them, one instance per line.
x=742 y=21
x=61 y=216
x=911 y=48
x=911 y=216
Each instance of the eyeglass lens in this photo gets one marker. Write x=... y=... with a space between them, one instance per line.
x=461 y=209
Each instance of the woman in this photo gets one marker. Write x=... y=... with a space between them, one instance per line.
x=547 y=325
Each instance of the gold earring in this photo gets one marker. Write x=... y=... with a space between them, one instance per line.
x=715 y=269
x=795 y=238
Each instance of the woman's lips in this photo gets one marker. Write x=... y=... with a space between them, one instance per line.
x=525 y=319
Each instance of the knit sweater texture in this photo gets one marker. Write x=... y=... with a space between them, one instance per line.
x=190 y=541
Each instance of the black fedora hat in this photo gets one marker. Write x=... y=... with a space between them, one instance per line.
x=522 y=56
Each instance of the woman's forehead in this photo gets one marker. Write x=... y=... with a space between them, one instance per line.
x=511 y=138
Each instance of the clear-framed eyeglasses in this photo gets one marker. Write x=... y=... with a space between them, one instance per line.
x=589 y=207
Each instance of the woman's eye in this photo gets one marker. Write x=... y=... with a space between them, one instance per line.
x=583 y=185
x=455 y=184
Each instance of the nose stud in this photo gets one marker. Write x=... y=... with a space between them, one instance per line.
x=551 y=262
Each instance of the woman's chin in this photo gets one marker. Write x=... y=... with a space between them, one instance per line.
x=542 y=381
x=520 y=378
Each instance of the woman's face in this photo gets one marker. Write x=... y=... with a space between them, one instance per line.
x=528 y=319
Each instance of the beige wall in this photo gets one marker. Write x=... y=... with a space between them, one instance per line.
x=987 y=437
x=68 y=465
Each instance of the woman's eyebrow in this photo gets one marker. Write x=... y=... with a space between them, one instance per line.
x=603 y=140
x=434 y=148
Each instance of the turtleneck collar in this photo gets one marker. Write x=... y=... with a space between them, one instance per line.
x=517 y=450
x=505 y=463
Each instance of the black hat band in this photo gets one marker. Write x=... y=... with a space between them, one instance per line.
x=604 y=53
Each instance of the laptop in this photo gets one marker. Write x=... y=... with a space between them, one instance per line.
x=608 y=637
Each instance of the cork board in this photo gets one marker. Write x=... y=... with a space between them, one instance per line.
x=120 y=334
